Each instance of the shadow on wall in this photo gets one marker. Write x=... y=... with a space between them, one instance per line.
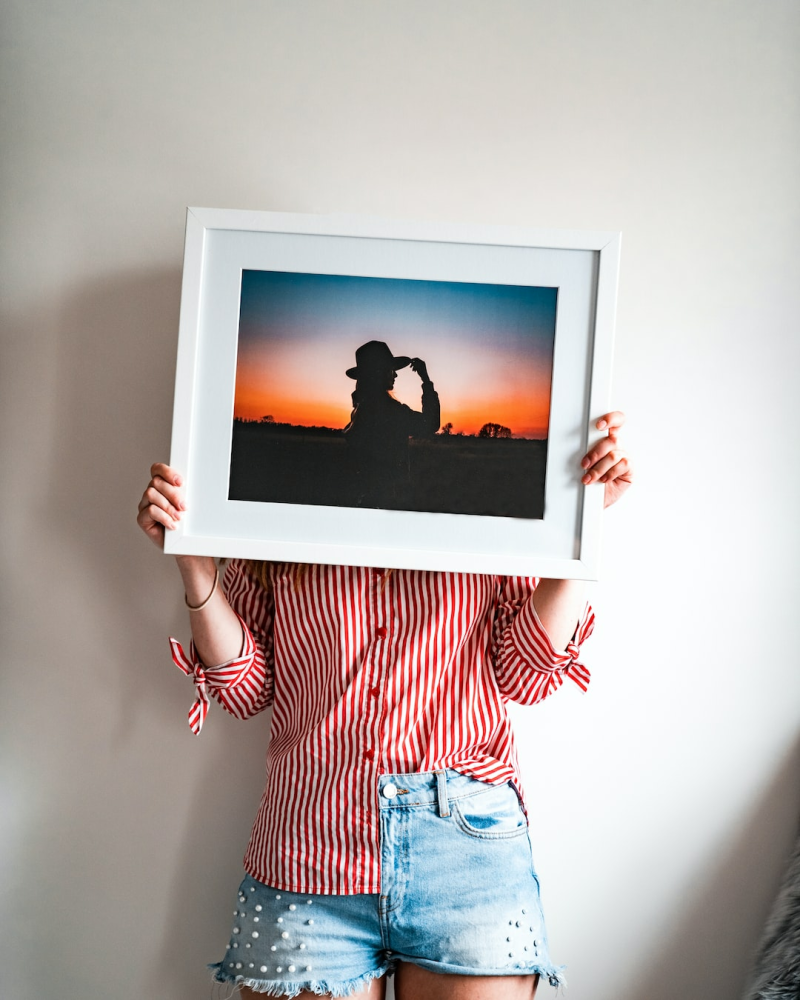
x=710 y=952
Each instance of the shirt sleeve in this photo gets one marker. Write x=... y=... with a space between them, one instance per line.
x=527 y=666
x=243 y=685
x=424 y=423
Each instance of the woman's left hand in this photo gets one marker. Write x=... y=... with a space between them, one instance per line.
x=607 y=462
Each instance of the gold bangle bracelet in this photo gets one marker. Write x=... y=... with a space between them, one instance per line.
x=199 y=607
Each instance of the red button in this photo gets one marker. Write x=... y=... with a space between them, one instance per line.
x=381 y=632
x=369 y=754
x=375 y=692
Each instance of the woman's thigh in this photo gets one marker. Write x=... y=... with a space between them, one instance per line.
x=414 y=983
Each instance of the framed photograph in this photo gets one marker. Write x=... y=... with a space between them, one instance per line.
x=385 y=393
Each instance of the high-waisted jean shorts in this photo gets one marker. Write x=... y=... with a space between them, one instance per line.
x=459 y=894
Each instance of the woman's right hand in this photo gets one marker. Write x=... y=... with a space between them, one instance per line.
x=419 y=366
x=161 y=504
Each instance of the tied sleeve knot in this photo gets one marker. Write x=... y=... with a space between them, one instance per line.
x=194 y=669
x=528 y=667
x=219 y=681
x=575 y=670
x=571 y=664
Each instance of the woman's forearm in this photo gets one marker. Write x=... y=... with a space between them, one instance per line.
x=559 y=605
x=216 y=630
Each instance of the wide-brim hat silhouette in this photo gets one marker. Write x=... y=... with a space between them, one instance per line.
x=373 y=357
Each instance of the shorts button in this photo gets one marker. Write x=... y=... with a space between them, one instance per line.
x=389 y=790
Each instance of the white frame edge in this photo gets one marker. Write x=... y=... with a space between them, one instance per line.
x=602 y=357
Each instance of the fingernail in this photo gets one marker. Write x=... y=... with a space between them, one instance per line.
x=178 y=481
x=585 y=463
x=601 y=424
x=586 y=480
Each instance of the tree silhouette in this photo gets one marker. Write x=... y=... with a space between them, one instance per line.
x=494 y=431
x=447 y=429
x=268 y=419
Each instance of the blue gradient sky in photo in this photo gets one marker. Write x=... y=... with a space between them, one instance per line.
x=488 y=348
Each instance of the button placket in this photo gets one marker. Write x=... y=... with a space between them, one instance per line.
x=374 y=664
x=384 y=633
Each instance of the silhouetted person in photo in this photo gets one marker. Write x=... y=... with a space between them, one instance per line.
x=380 y=426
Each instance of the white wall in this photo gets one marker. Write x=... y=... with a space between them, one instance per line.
x=669 y=795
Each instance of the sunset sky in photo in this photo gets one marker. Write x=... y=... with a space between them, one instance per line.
x=488 y=348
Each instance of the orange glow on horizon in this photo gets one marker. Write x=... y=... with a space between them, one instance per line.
x=525 y=418
x=254 y=405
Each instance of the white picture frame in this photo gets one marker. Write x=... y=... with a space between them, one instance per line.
x=221 y=243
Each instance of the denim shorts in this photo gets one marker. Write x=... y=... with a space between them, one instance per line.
x=459 y=895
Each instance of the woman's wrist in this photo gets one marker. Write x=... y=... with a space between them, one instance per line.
x=198 y=574
x=216 y=628
x=202 y=604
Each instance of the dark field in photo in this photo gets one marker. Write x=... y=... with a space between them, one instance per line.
x=451 y=474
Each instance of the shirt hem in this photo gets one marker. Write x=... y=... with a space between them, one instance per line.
x=309 y=887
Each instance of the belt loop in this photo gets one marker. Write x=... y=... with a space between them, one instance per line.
x=441 y=791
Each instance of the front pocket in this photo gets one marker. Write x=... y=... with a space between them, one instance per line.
x=491 y=814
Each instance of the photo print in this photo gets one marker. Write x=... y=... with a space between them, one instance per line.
x=392 y=393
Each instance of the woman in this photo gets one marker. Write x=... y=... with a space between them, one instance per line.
x=380 y=426
x=390 y=838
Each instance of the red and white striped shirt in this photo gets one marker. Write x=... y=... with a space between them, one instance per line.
x=372 y=672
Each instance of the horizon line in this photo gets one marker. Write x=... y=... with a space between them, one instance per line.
x=542 y=436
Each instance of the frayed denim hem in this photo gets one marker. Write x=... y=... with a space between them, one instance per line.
x=552 y=974
x=555 y=977
x=282 y=988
